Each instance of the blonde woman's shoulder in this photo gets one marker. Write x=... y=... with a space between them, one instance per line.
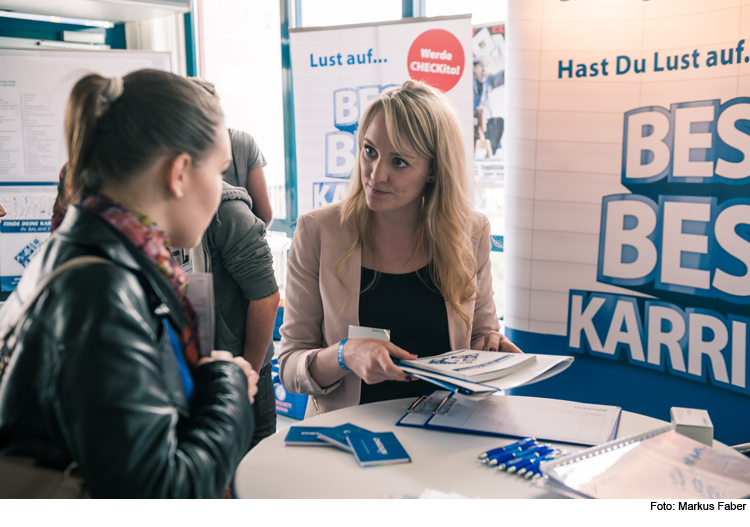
x=480 y=230
x=328 y=214
x=323 y=222
x=479 y=223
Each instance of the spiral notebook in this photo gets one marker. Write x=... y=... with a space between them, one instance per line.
x=660 y=464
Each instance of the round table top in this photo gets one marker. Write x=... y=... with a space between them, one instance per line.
x=443 y=461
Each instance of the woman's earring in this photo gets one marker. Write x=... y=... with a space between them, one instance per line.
x=430 y=179
x=180 y=194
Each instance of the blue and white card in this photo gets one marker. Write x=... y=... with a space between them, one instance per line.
x=336 y=435
x=381 y=448
x=304 y=436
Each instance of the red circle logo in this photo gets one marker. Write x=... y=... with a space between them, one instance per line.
x=437 y=58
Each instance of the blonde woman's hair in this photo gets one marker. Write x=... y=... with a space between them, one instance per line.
x=419 y=115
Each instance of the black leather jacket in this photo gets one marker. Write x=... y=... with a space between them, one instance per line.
x=94 y=379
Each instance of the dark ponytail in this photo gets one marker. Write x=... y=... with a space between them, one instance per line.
x=118 y=127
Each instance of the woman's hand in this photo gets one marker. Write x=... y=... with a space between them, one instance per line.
x=495 y=341
x=372 y=360
x=247 y=369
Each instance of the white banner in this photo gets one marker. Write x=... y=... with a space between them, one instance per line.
x=338 y=71
x=628 y=218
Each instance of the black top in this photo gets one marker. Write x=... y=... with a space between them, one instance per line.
x=412 y=308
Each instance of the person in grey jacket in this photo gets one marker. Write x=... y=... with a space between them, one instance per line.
x=235 y=250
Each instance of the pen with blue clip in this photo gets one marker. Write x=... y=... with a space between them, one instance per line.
x=538 y=461
x=532 y=462
x=517 y=445
x=535 y=470
x=535 y=452
x=521 y=452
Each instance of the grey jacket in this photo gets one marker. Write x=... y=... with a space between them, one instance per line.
x=235 y=250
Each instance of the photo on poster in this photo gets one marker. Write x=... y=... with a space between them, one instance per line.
x=488 y=84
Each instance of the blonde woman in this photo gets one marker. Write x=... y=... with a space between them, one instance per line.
x=405 y=251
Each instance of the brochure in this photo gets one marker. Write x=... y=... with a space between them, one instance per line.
x=473 y=365
x=381 y=448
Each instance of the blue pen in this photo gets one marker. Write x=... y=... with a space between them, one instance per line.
x=535 y=470
x=538 y=461
x=533 y=453
x=511 y=446
x=522 y=465
x=534 y=474
x=541 y=449
x=507 y=456
x=518 y=464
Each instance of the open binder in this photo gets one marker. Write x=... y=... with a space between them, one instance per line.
x=660 y=464
x=514 y=416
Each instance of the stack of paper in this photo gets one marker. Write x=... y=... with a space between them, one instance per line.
x=481 y=373
x=473 y=365
x=369 y=448
x=661 y=464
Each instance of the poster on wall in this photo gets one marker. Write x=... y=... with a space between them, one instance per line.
x=23 y=229
x=338 y=71
x=488 y=83
x=628 y=216
x=34 y=88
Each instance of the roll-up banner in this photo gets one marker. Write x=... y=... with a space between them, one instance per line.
x=338 y=71
x=628 y=201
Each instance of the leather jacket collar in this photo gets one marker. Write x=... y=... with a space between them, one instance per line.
x=88 y=230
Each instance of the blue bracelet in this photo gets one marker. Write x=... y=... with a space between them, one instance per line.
x=341 y=355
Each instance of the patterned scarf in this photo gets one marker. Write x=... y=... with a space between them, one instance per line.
x=154 y=243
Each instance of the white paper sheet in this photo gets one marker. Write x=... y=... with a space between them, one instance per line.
x=544 y=367
x=200 y=292
x=545 y=419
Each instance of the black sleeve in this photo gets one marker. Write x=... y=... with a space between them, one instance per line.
x=114 y=399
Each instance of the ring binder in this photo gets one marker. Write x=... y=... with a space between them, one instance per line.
x=445 y=406
x=512 y=416
x=419 y=404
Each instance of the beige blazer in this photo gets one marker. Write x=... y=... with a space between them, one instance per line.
x=319 y=308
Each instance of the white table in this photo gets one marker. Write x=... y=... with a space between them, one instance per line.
x=443 y=461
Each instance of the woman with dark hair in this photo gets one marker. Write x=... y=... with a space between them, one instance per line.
x=105 y=373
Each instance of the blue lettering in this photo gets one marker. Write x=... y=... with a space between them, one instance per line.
x=622 y=69
x=694 y=142
x=693 y=343
x=561 y=69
